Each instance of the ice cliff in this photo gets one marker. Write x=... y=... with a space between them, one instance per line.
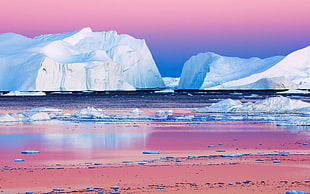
x=212 y=71
x=80 y=60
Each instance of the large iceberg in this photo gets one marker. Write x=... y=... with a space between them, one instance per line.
x=80 y=60
x=212 y=71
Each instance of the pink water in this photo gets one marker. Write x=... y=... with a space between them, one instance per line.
x=107 y=143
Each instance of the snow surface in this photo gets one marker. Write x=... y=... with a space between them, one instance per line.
x=212 y=71
x=80 y=60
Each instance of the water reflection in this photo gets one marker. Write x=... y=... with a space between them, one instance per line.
x=90 y=140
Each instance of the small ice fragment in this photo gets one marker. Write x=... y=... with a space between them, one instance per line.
x=89 y=189
x=127 y=161
x=19 y=160
x=305 y=144
x=115 y=187
x=211 y=146
x=141 y=163
x=136 y=110
x=234 y=155
x=276 y=161
x=260 y=160
x=97 y=163
x=148 y=152
x=164 y=112
x=90 y=167
x=178 y=160
x=30 y=152
x=296 y=192
x=220 y=151
x=57 y=189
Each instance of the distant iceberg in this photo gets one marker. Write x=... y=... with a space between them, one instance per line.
x=211 y=71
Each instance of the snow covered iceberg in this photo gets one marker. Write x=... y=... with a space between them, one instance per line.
x=80 y=60
x=212 y=71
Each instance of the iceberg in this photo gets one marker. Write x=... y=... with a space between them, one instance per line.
x=171 y=82
x=212 y=71
x=76 y=61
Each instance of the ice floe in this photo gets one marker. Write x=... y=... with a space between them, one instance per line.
x=296 y=192
x=30 y=152
x=20 y=93
x=273 y=104
x=136 y=110
x=90 y=113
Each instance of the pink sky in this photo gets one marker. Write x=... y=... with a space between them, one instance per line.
x=186 y=27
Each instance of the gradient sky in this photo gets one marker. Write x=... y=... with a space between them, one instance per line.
x=173 y=29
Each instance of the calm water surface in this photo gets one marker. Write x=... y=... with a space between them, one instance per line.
x=104 y=143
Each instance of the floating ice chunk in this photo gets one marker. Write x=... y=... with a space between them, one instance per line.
x=44 y=109
x=273 y=104
x=59 y=115
x=30 y=152
x=127 y=162
x=164 y=112
x=296 y=192
x=226 y=105
x=293 y=91
x=165 y=91
x=19 y=93
x=148 y=152
x=234 y=155
x=136 y=110
x=19 y=160
x=89 y=113
x=115 y=187
x=296 y=122
x=5 y=117
x=40 y=116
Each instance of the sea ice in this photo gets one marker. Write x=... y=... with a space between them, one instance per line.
x=30 y=152
x=89 y=113
x=296 y=192
x=136 y=110
x=21 y=93
x=272 y=104
x=5 y=117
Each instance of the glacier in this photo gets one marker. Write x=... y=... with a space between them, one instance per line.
x=76 y=61
x=212 y=71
